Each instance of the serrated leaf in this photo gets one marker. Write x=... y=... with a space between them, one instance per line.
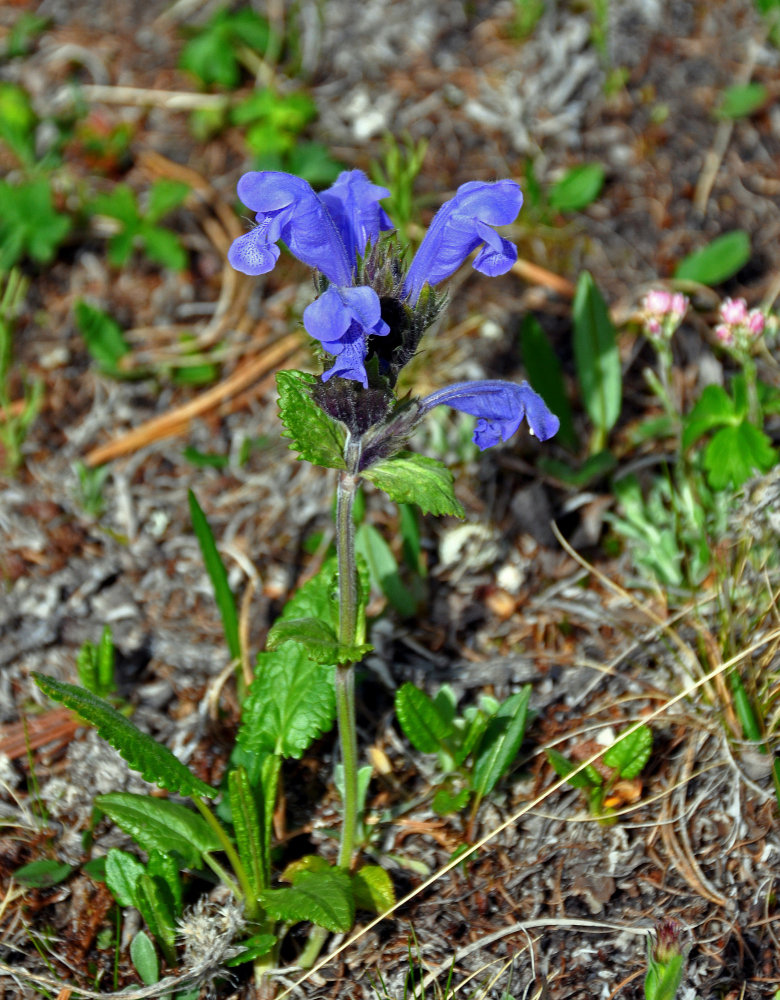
x=446 y=802
x=324 y=897
x=218 y=576
x=248 y=826
x=716 y=262
x=546 y=376
x=318 y=638
x=736 y=453
x=373 y=889
x=164 y=866
x=596 y=356
x=411 y=478
x=153 y=899
x=422 y=721
x=630 y=754
x=122 y=872
x=43 y=873
x=576 y=190
x=501 y=742
x=160 y=824
x=315 y=436
x=144 y=957
x=152 y=760
x=165 y=195
x=163 y=247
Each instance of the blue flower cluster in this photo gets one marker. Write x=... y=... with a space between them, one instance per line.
x=367 y=295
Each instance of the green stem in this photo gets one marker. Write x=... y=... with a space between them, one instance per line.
x=345 y=675
x=250 y=903
x=754 y=407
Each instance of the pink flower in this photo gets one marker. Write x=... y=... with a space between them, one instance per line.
x=756 y=322
x=733 y=311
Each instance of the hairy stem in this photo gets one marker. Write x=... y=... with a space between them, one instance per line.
x=345 y=675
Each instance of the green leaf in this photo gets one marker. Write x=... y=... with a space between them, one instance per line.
x=120 y=203
x=144 y=957
x=373 y=889
x=43 y=873
x=165 y=195
x=318 y=638
x=596 y=356
x=411 y=478
x=663 y=978
x=152 y=760
x=324 y=897
x=714 y=408
x=742 y=100
x=446 y=802
x=421 y=719
x=589 y=778
x=122 y=873
x=29 y=225
x=736 y=453
x=383 y=568
x=716 y=262
x=577 y=189
x=102 y=335
x=153 y=899
x=630 y=753
x=218 y=576
x=315 y=436
x=254 y=947
x=163 y=247
x=248 y=827
x=546 y=376
x=160 y=824
x=501 y=742
x=164 y=867
x=594 y=467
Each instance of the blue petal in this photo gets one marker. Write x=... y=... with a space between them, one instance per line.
x=288 y=209
x=353 y=203
x=500 y=406
x=342 y=320
x=460 y=226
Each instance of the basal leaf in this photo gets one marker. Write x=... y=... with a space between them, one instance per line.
x=716 y=262
x=373 y=889
x=152 y=760
x=163 y=866
x=742 y=100
x=43 y=873
x=218 y=576
x=160 y=824
x=596 y=356
x=315 y=436
x=248 y=826
x=501 y=742
x=122 y=872
x=165 y=195
x=588 y=778
x=546 y=376
x=144 y=957
x=102 y=335
x=324 y=897
x=152 y=897
x=422 y=721
x=411 y=478
x=736 y=453
x=630 y=753
x=446 y=802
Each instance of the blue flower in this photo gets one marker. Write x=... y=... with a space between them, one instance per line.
x=461 y=225
x=326 y=231
x=500 y=406
x=332 y=231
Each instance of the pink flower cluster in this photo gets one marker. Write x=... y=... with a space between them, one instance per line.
x=662 y=312
x=739 y=327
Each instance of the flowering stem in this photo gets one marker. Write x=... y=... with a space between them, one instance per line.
x=345 y=675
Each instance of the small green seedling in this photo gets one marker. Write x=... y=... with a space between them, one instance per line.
x=627 y=758
x=474 y=750
x=139 y=229
x=30 y=226
x=95 y=665
x=218 y=50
